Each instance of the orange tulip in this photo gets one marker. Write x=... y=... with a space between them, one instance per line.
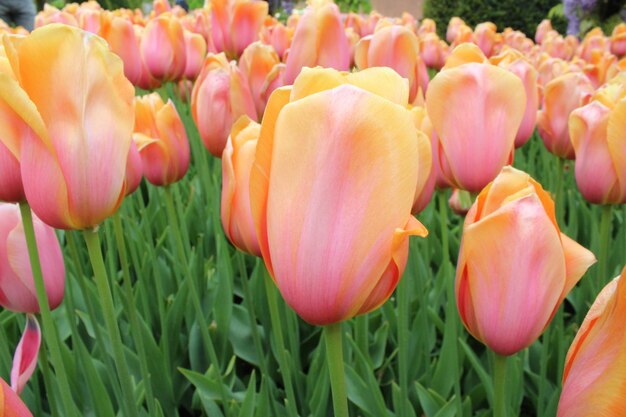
x=597 y=132
x=163 y=48
x=161 y=140
x=134 y=170
x=594 y=43
x=453 y=28
x=476 y=110
x=220 y=95
x=10 y=403
x=51 y=14
x=427 y=173
x=515 y=266
x=319 y=39
x=236 y=166
x=256 y=62
x=427 y=26
x=398 y=48
x=71 y=137
x=120 y=35
x=335 y=247
x=618 y=40
x=594 y=378
x=560 y=97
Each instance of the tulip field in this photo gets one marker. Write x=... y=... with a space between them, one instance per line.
x=219 y=212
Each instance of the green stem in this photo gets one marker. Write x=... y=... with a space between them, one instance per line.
x=499 y=386
x=605 y=239
x=195 y=296
x=49 y=328
x=443 y=223
x=132 y=314
x=47 y=380
x=277 y=331
x=559 y=200
x=334 y=358
x=403 y=344
x=106 y=301
x=361 y=324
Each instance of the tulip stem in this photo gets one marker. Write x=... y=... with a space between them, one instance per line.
x=605 y=239
x=92 y=240
x=277 y=331
x=499 y=386
x=132 y=314
x=49 y=328
x=334 y=358
x=195 y=296
x=559 y=200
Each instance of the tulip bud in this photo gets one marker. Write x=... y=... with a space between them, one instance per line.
x=544 y=27
x=618 y=40
x=334 y=250
x=486 y=37
x=515 y=266
x=120 y=35
x=17 y=287
x=25 y=357
x=161 y=139
x=476 y=110
x=560 y=97
x=195 y=48
x=237 y=163
x=256 y=62
x=594 y=382
x=163 y=48
x=220 y=95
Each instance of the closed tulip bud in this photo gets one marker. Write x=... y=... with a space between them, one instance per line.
x=319 y=40
x=476 y=110
x=279 y=36
x=237 y=163
x=256 y=62
x=453 y=28
x=220 y=95
x=515 y=267
x=163 y=48
x=433 y=51
x=134 y=169
x=561 y=96
x=396 y=47
x=195 y=47
x=618 y=40
x=594 y=381
x=236 y=24
x=10 y=403
x=17 y=287
x=594 y=43
x=120 y=35
x=72 y=139
x=334 y=247
x=486 y=37
x=544 y=27
x=25 y=357
x=427 y=26
x=161 y=139
x=456 y=204
x=598 y=133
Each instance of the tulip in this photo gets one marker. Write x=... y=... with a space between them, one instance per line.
x=120 y=35
x=594 y=43
x=427 y=173
x=195 y=51
x=51 y=14
x=544 y=27
x=134 y=170
x=25 y=358
x=397 y=48
x=236 y=24
x=72 y=137
x=453 y=28
x=334 y=247
x=560 y=97
x=220 y=95
x=163 y=48
x=434 y=51
x=256 y=63
x=486 y=37
x=319 y=39
x=456 y=204
x=427 y=26
x=236 y=166
x=10 y=403
x=279 y=36
x=515 y=266
x=476 y=110
x=11 y=188
x=161 y=140
x=597 y=133
x=17 y=287
x=594 y=381
x=601 y=68
x=618 y=40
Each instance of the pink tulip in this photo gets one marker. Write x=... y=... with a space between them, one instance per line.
x=25 y=358
x=319 y=40
x=515 y=267
x=72 y=138
x=163 y=48
x=279 y=36
x=220 y=95
x=120 y=35
x=486 y=37
x=195 y=48
x=161 y=139
x=236 y=24
x=256 y=62
x=476 y=110
x=10 y=403
x=618 y=40
x=544 y=27
x=134 y=170
x=17 y=287
x=11 y=188
x=561 y=96
x=594 y=381
x=434 y=51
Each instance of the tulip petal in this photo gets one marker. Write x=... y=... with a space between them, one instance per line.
x=617 y=145
x=578 y=259
x=10 y=403
x=25 y=358
x=306 y=163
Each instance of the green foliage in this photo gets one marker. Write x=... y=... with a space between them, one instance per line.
x=521 y=15
x=362 y=6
